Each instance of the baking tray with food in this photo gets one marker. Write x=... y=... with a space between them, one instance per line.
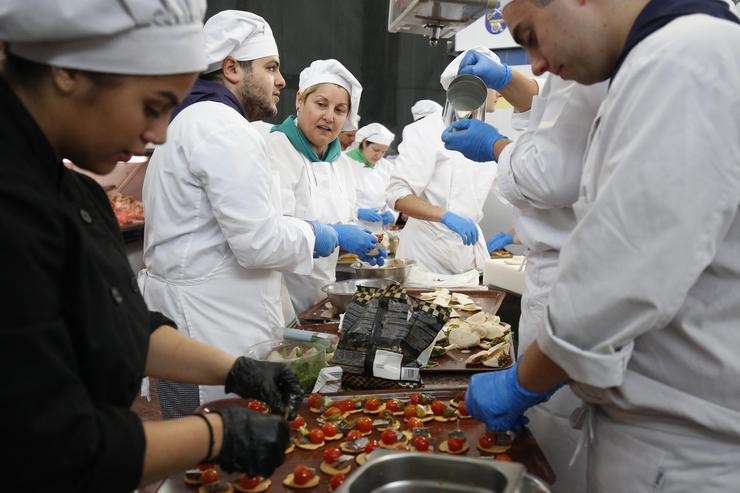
x=334 y=433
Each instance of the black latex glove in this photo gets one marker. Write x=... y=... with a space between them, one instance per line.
x=273 y=383
x=253 y=443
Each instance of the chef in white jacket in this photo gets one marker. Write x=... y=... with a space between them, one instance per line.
x=443 y=194
x=371 y=173
x=216 y=240
x=315 y=178
x=643 y=315
x=425 y=107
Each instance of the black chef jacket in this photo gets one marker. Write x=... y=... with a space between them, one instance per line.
x=74 y=329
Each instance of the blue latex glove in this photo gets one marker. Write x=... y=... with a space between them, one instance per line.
x=473 y=138
x=327 y=239
x=461 y=225
x=499 y=241
x=369 y=215
x=495 y=75
x=378 y=259
x=497 y=399
x=388 y=217
x=354 y=238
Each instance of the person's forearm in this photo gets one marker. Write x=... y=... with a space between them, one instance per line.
x=176 y=444
x=175 y=356
x=498 y=147
x=520 y=91
x=413 y=206
x=537 y=372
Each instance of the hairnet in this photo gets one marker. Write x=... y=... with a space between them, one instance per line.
x=425 y=107
x=451 y=71
x=135 y=37
x=375 y=132
x=331 y=71
x=243 y=35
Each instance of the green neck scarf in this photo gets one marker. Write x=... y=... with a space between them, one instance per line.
x=358 y=156
x=302 y=145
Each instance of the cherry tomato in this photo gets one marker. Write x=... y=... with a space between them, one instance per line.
x=462 y=409
x=389 y=437
x=297 y=422
x=371 y=445
x=302 y=475
x=209 y=476
x=205 y=466
x=331 y=454
x=313 y=401
x=372 y=404
x=346 y=405
x=257 y=406
x=354 y=435
x=414 y=422
x=329 y=429
x=415 y=399
x=421 y=444
x=316 y=436
x=409 y=411
x=438 y=407
x=364 y=424
x=332 y=411
x=248 y=482
x=393 y=406
x=487 y=440
x=455 y=444
x=504 y=458
x=336 y=481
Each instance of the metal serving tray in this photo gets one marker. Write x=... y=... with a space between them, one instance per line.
x=407 y=472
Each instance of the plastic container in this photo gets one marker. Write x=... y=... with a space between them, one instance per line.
x=305 y=359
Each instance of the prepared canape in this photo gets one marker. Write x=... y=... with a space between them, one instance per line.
x=456 y=443
x=387 y=422
x=252 y=484
x=373 y=405
x=331 y=432
x=354 y=446
x=302 y=477
x=393 y=439
x=216 y=487
x=336 y=481
x=494 y=443
x=442 y=411
x=371 y=445
x=311 y=440
x=335 y=462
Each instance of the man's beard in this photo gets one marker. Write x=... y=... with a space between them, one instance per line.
x=257 y=106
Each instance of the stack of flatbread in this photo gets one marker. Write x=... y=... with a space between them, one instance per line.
x=456 y=301
x=481 y=330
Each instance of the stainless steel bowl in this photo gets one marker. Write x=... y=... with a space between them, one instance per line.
x=396 y=269
x=340 y=293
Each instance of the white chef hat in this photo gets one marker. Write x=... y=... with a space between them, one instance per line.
x=133 y=37
x=351 y=124
x=243 y=35
x=375 y=132
x=425 y=107
x=451 y=71
x=322 y=71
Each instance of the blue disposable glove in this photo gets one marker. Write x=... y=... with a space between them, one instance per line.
x=495 y=75
x=327 y=239
x=369 y=215
x=461 y=225
x=354 y=238
x=388 y=217
x=499 y=241
x=473 y=138
x=378 y=259
x=497 y=399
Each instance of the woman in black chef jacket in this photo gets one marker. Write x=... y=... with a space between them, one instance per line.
x=94 y=81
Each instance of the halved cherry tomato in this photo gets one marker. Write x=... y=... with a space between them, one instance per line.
x=504 y=458
x=414 y=422
x=302 y=475
x=462 y=409
x=409 y=411
x=354 y=435
x=393 y=406
x=329 y=429
x=258 y=406
x=336 y=481
x=421 y=444
x=249 y=482
x=364 y=424
x=389 y=437
x=438 y=407
x=487 y=440
x=331 y=454
x=313 y=401
x=332 y=411
x=372 y=404
x=209 y=476
x=316 y=436
x=415 y=399
x=371 y=445
x=455 y=444
x=205 y=466
x=297 y=422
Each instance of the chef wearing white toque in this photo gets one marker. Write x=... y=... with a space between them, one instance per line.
x=425 y=107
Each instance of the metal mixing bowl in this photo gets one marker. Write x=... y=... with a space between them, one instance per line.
x=340 y=293
x=396 y=269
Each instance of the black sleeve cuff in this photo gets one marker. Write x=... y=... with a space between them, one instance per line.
x=156 y=320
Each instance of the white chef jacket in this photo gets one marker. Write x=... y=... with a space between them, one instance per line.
x=370 y=185
x=540 y=174
x=645 y=313
x=446 y=179
x=323 y=192
x=215 y=239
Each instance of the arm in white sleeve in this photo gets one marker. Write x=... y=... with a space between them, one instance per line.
x=661 y=191
x=285 y=161
x=240 y=185
x=415 y=164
